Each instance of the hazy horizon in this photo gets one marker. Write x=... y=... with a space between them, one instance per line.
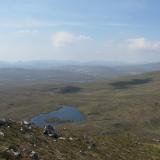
x=114 y=31
x=70 y=61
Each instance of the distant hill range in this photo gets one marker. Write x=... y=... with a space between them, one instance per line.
x=44 y=72
x=117 y=67
x=138 y=69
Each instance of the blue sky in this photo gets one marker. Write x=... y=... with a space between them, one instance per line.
x=83 y=30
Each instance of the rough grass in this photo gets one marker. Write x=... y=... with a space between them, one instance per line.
x=110 y=112
x=115 y=147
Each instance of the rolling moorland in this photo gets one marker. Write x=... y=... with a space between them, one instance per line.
x=122 y=118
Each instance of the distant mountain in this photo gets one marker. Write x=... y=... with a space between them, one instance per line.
x=4 y=64
x=94 y=70
x=60 y=70
x=12 y=77
x=138 y=69
x=50 y=64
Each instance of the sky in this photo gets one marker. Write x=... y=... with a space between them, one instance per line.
x=80 y=30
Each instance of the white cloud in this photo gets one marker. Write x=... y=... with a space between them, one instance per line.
x=131 y=50
x=143 y=44
x=60 y=39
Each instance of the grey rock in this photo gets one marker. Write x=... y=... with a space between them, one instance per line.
x=13 y=153
x=26 y=126
x=34 y=155
x=3 y=122
x=6 y=122
x=51 y=132
x=1 y=134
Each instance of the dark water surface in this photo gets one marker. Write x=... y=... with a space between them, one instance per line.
x=65 y=114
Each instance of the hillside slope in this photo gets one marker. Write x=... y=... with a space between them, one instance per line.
x=32 y=144
x=122 y=119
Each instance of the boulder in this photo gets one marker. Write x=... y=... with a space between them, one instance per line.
x=51 y=132
x=25 y=126
x=26 y=123
x=71 y=138
x=92 y=146
x=6 y=122
x=34 y=155
x=1 y=134
x=12 y=153
x=3 y=122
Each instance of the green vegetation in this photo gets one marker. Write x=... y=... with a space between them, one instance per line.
x=112 y=113
x=80 y=147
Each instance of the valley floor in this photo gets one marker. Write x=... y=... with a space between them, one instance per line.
x=123 y=117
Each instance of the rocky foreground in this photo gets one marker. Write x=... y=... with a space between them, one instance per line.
x=23 y=141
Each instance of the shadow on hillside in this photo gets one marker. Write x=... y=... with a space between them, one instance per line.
x=127 y=84
x=65 y=90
